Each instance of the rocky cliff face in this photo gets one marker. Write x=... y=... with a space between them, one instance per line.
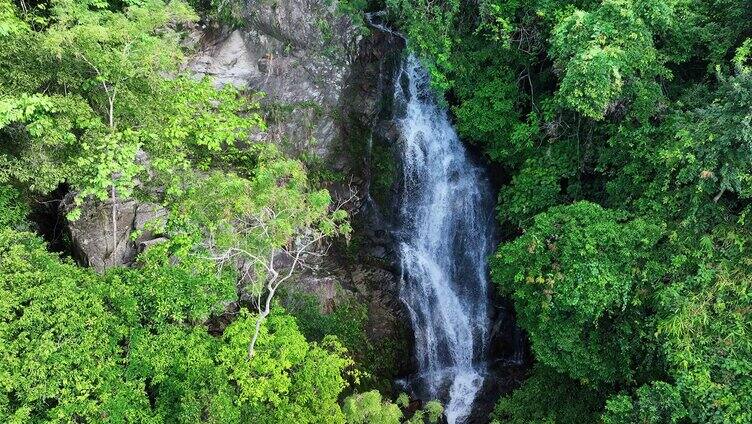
x=99 y=243
x=323 y=75
x=298 y=52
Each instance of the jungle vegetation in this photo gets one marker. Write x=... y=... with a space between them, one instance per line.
x=621 y=131
x=87 y=90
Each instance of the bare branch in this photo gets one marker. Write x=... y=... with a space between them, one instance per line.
x=259 y=227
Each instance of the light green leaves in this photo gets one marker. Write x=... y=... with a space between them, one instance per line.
x=287 y=380
x=133 y=346
x=368 y=408
x=58 y=346
x=108 y=101
x=605 y=53
x=10 y=25
x=657 y=403
x=108 y=164
x=743 y=57
x=252 y=218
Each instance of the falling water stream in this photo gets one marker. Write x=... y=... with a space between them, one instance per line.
x=446 y=219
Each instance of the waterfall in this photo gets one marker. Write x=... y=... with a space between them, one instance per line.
x=445 y=236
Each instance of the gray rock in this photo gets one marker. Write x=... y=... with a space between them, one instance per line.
x=325 y=86
x=299 y=53
x=324 y=288
x=92 y=235
x=227 y=60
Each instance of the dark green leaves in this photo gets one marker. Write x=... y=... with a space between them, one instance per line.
x=575 y=277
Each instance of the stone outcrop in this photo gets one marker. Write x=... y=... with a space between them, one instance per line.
x=297 y=52
x=94 y=240
x=327 y=84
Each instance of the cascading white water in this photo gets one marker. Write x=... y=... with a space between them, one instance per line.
x=445 y=237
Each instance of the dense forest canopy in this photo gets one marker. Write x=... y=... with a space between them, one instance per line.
x=621 y=131
x=624 y=129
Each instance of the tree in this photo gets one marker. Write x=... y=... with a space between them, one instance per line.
x=13 y=209
x=557 y=399
x=428 y=28
x=368 y=408
x=133 y=346
x=576 y=277
x=608 y=54
x=432 y=411
x=59 y=344
x=266 y=226
x=705 y=328
x=286 y=380
x=94 y=98
x=641 y=107
x=9 y=22
x=657 y=402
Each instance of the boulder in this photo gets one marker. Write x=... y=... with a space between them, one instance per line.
x=99 y=244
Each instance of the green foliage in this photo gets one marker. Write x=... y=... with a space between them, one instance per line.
x=85 y=99
x=368 y=408
x=226 y=12
x=706 y=327
x=743 y=56
x=428 y=26
x=431 y=412
x=92 y=95
x=656 y=403
x=714 y=140
x=100 y=65
x=489 y=113
x=574 y=277
x=375 y=360
x=59 y=345
x=288 y=380
x=623 y=131
x=608 y=54
x=532 y=191
x=40 y=144
x=556 y=399
x=720 y=26
x=691 y=168
x=179 y=372
x=13 y=209
x=353 y=9
x=346 y=319
x=131 y=346
x=641 y=107
x=251 y=218
x=10 y=24
x=169 y=286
